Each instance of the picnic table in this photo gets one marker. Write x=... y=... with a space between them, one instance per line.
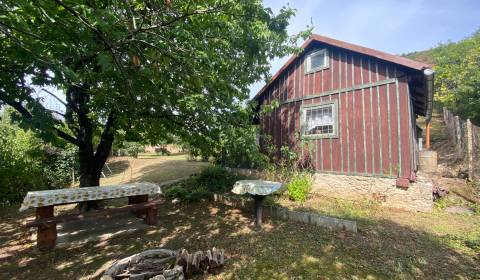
x=45 y=201
x=259 y=189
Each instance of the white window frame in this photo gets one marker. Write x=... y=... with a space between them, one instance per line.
x=308 y=61
x=303 y=119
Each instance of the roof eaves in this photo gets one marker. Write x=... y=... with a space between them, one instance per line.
x=416 y=65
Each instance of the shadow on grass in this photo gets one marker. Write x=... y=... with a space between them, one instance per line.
x=282 y=250
x=116 y=167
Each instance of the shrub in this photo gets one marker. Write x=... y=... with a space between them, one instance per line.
x=213 y=179
x=27 y=163
x=299 y=187
x=239 y=147
x=133 y=148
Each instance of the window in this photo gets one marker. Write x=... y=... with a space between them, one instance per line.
x=320 y=121
x=316 y=61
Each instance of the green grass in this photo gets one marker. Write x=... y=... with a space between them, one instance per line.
x=382 y=249
x=390 y=244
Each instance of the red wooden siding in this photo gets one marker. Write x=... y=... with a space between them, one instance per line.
x=374 y=124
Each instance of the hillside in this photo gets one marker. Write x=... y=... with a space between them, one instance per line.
x=457 y=85
x=425 y=56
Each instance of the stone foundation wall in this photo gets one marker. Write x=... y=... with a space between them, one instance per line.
x=417 y=197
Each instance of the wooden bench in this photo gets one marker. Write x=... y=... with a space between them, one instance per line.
x=45 y=201
x=46 y=222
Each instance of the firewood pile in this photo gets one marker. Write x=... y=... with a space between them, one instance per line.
x=164 y=264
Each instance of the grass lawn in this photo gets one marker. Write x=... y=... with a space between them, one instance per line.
x=390 y=244
x=150 y=168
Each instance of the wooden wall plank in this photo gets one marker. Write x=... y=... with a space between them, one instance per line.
x=374 y=123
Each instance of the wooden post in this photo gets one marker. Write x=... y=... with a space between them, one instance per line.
x=458 y=135
x=470 y=149
x=151 y=216
x=138 y=199
x=47 y=233
x=258 y=210
x=427 y=137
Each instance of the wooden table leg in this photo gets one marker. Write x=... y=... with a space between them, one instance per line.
x=258 y=210
x=151 y=216
x=46 y=234
x=138 y=199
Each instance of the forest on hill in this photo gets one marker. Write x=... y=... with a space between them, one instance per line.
x=457 y=80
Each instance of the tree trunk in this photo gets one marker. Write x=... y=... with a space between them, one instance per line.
x=89 y=177
x=78 y=120
x=91 y=166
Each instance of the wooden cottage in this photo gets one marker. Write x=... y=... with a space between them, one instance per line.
x=355 y=107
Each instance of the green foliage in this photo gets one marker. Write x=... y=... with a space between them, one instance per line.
x=213 y=179
x=133 y=148
x=27 y=163
x=151 y=69
x=299 y=187
x=58 y=166
x=239 y=148
x=441 y=203
x=457 y=79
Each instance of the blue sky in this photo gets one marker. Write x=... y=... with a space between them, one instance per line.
x=393 y=26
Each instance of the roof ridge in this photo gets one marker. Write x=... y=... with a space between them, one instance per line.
x=400 y=60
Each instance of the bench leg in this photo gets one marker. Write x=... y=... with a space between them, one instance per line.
x=151 y=216
x=46 y=234
x=138 y=199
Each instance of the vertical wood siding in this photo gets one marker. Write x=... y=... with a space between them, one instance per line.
x=374 y=123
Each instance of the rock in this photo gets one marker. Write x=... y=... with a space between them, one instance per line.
x=175 y=273
x=141 y=276
x=175 y=201
x=459 y=210
x=158 y=277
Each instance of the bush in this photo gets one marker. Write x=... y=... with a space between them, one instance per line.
x=133 y=148
x=240 y=148
x=213 y=179
x=27 y=163
x=299 y=187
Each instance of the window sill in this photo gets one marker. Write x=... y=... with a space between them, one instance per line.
x=318 y=136
x=316 y=70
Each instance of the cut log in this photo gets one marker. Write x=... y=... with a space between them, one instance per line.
x=166 y=264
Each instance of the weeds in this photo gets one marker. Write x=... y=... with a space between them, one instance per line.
x=213 y=179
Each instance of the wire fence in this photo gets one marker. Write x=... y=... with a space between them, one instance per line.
x=465 y=136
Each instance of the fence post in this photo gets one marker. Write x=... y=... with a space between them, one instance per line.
x=458 y=135
x=470 y=149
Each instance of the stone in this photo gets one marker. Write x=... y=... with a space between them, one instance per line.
x=417 y=197
x=461 y=210
x=175 y=273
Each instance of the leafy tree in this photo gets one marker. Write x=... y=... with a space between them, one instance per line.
x=457 y=78
x=148 y=68
x=28 y=163
x=133 y=148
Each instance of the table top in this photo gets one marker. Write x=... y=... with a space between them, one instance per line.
x=64 y=196
x=256 y=187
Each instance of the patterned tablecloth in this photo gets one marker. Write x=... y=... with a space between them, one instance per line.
x=255 y=187
x=64 y=196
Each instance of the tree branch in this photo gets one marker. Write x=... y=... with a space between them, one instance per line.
x=99 y=34
x=56 y=97
x=27 y=115
x=106 y=141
